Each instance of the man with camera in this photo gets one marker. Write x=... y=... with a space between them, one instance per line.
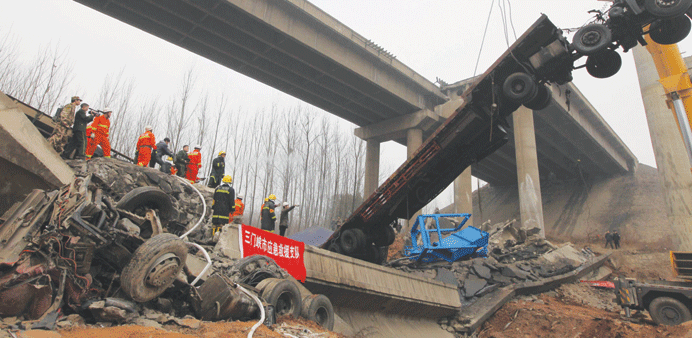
x=79 y=138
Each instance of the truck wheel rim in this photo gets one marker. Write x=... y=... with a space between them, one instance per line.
x=163 y=271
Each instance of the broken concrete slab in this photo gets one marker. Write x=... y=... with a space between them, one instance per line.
x=481 y=270
x=474 y=315
x=474 y=284
x=27 y=161
x=565 y=253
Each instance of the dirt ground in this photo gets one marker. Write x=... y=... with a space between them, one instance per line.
x=287 y=325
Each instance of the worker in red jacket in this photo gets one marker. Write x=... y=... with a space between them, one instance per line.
x=101 y=127
x=146 y=144
x=194 y=165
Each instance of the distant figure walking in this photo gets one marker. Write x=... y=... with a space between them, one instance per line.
x=609 y=239
x=616 y=239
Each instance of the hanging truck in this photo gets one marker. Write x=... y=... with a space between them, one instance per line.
x=476 y=129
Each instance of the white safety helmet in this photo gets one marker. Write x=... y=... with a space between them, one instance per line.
x=107 y=110
x=198 y=147
x=240 y=196
x=285 y=204
x=149 y=128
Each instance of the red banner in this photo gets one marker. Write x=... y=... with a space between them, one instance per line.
x=286 y=252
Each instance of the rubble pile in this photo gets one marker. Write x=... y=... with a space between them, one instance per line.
x=121 y=177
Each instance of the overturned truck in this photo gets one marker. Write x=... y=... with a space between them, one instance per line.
x=476 y=129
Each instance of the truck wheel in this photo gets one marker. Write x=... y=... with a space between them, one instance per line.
x=667 y=8
x=542 y=99
x=668 y=311
x=153 y=267
x=604 y=64
x=139 y=199
x=592 y=38
x=352 y=240
x=670 y=31
x=318 y=308
x=284 y=295
x=519 y=87
x=384 y=235
x=334 y=247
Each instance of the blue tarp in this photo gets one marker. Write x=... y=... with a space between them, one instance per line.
x=315 y=236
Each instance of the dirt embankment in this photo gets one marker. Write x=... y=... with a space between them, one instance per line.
x=584 y=209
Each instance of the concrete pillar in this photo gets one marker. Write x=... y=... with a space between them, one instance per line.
x=463 y=194
x=372 y=167
x=528 y=182
x=414 y=139
x=669 y=150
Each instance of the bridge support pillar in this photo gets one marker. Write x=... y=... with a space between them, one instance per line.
x=463 y=194
x=528 y=181
x=372 y=167
x=669 y=150
x=414 y=139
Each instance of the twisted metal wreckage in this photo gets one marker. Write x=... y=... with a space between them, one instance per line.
x=63 y=250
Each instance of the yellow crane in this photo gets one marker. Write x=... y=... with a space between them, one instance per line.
x=673 y=75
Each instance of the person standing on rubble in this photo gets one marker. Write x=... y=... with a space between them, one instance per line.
x=609 y=239
x=218 y=168
x=616 y=239
x=268 y=217
x=78 y=140
x=146 y=144
x=195 y=163
x=283 y=220
x=181 y=161
x=160 y=154
x=223 y=205
x=102 y=126
x=59 y=138
x=239 y=210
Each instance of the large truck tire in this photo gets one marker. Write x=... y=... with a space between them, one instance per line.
x=520 y=87
x=319 y=309
x=352 y=240
x=592 y=39
x=149 y=197
x=669 y=311
x=283 y=294
x=667 y=8
x=153 y=267
x=670 y=31
x=384 y=235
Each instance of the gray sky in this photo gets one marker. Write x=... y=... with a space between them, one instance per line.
x=436 y=38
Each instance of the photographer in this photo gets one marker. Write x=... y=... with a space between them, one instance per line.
x=78 y=139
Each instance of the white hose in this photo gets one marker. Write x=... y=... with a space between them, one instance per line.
x=206 y=255
x=259 y=303
x=204 y=210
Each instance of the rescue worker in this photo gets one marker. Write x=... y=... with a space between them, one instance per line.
x=102 y=126
x=181 y=161
x=609 y=239
x=146 y=144
x=239 y=210
x=78 y=140
x=59 y=138
x=268 y=217
x=195 y=163
x=283 y=220
x=162 y=151
x=223 y=205
x=218 y=168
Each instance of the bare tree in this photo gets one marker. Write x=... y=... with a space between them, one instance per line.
x=220 y=115
x=179 y=116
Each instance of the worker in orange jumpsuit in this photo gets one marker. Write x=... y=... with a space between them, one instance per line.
x=194 y=165
x=237 y=215
x=90 y=132
x=146 y=144
x=101 y=126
